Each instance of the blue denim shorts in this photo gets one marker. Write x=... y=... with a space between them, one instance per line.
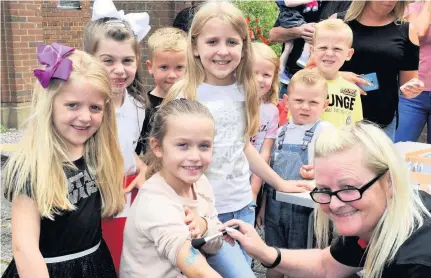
x=286 y=225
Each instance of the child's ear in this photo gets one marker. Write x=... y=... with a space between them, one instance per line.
x=326 y=103
x=155 y=147
x=195 y=51
x=350 y=54
x=149 y=66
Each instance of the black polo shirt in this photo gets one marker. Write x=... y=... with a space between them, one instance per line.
x=412 y=260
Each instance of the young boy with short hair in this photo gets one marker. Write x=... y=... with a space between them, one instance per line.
x=167 y=61
x=285 y=224
x=332 y=46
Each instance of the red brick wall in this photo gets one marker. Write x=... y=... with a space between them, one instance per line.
x=64 y=25
x=21 y=31
x=24 y=24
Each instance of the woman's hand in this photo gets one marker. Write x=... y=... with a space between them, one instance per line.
x=196 y=224
x=246 y=236
x=307 y=31
x=412 y=88
x=356 y=79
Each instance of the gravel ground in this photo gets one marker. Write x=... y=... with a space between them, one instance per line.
x=9 y=137
x=13 y=136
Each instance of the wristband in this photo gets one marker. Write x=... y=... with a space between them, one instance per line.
x=277 y=260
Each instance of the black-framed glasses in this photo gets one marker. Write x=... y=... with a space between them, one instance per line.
x=344 y=195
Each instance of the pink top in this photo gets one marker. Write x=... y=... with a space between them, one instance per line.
x=268 y=124
x=425 y=50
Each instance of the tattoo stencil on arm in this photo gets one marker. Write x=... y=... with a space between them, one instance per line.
x=191 y=258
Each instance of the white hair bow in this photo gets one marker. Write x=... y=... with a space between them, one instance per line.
x=139 y=22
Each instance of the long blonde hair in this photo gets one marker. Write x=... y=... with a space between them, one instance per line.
x=357 y=8
x=264 y=51
x=405 y=211
x=40 y=157
x=195 y=72
x=176 y=107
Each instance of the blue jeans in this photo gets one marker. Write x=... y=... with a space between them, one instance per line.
x=391 y=128
x=414 y=114
x=232 y=261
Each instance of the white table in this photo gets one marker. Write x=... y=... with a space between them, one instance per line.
x=304 y=199
x=300 y=199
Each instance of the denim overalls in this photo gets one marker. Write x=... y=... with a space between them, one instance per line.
x=286 y=225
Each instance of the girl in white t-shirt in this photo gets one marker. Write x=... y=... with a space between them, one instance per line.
x=113 y=38
x=219 y=74
x=266 y=65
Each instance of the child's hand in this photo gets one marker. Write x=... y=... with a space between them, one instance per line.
x=136 y=183
x=197 y=225
x=307 y=172
x=412 y=88
x=296 y=186
x=260 y=218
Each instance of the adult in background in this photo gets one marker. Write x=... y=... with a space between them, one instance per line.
x=383 y=224
x=184 y=18
x=388 y=47
x=416 y=112
x=302 y=34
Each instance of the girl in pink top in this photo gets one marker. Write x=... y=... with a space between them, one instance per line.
x=414 y=113
x=176 y=202
x=266 y=64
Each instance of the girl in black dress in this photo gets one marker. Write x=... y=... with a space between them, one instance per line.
x=67 y=171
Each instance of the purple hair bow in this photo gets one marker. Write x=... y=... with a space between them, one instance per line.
x=54 y=56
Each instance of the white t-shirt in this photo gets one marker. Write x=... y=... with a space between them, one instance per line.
x=268 y=124
x=229 y=171
x=295 y=135
x=130 y=118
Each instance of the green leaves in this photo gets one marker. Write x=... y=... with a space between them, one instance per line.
x=261 y=16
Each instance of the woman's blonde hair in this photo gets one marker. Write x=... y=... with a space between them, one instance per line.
x=171 y=110
x=264 y=51
x=117 y=30
x=37 y=166
x=357 y=8
x=404 y=212
x=195 y=72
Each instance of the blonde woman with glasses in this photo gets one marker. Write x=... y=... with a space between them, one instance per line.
x=382 y=224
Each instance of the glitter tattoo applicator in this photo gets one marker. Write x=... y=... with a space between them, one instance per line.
x=197 y=243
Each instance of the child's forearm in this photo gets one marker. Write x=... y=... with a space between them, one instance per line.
x=213 y=226
x=256 y=184
x=25 y=238
x=259 y=167
x=296 y=3
x=30 y=263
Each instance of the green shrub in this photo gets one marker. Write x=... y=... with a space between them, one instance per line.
x=261 y=16
x=3 y=128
